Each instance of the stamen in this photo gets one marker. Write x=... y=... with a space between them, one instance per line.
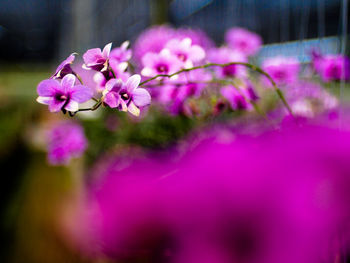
x=125 y=96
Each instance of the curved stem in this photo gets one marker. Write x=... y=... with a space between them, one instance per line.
x=93 y=108
x=252 y=67
x=81 y=82
x=112 y=71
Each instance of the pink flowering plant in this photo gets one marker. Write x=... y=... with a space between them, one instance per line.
x=200 y=153
x=180 y=73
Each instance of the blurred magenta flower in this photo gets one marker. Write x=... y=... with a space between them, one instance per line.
x=65 y=67
x=155 y=38
x=66 y=140
x=283 y=70
x=160 y=63
x=225 y=55
x=277 y=197
x=189 y=84
x=122 y=53
x=186 y=52
x=64 y=95
x=198 y=37
x=332 y=67
x=309 y=99
x=96 y=59
x=152 y=40
x=243 y=40
x=240 y=98
x=126 y=96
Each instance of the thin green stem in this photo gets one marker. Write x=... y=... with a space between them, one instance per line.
x=81 y=82
x=252 y=67
x=79 y=78
x=93 y=108
x=113 y=73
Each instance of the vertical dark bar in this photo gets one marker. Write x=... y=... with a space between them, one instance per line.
x=159 y=11
x=343 y=39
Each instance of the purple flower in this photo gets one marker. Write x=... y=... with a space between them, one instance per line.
x=189 y=84
x=239 y=97
x=308 y=99
x=243 y=40
x=196 y=82
x=185 y=51
x=225 y=55
x=65 y=141
x=155 y=38
x=332 y=67
x=283 y=70
x=316 y=60
x=126 y=96
x=64 y=95
x=64 y=68
x=162 y=63
x=197 y=36
x=152 y=40
x=119 y=70
x=122 y=53
x=96 y=59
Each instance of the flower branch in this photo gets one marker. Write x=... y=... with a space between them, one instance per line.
x=252 y=67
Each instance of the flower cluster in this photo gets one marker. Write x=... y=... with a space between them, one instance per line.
x=165 y=51
x=246 y=192
x=184 y=73
x=176 y=67
x=332 y=67
x=65 y=90
x=64 y=95
x=65 y=140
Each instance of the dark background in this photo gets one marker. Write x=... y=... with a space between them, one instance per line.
x=43 y=30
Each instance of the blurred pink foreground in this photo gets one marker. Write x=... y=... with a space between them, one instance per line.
x=282 y=196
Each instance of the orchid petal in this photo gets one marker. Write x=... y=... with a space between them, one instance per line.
x=72 y=106
x=186 y=42
x=69 y=60
x=147 y=72
x=85 y=67
x=133 y=82
x=114 y=84
x=112 y=99
x=125 y=45
x=81 y=93
x=133 y=109
x=68 y=82
x=55 y=105
x=106 y=50
x=48 y=87
x=188 y=64
x=197 y=53
x=123 y=106
x=91 y=56
x=123 y=66
x=165 y=52
x=117 y=67
x=141 y=97
x=44 y=100
x=149 y=58
x=99 y=78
